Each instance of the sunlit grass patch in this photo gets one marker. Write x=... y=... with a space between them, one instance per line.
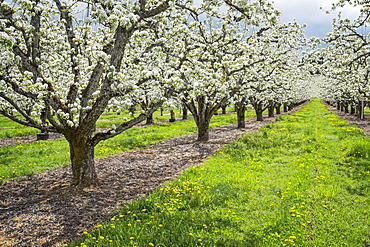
x=26 y=159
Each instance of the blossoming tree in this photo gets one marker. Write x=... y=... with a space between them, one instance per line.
x=346 y=59
x=70 y=64
x=211 y=47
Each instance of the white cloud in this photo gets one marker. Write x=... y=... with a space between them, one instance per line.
x=309 y=12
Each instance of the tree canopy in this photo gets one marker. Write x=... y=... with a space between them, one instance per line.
x=71 y=61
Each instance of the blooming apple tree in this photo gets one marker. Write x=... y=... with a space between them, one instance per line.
x=58 y=59
x=347 y=59
x=211 y=44
x=269 y=60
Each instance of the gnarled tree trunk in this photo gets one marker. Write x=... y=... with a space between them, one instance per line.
x=353 y=110
x=285 y=107
x=271 y=109
x=82 y=160
x=224 y=109
x=173 y=116
x=184 y=112
x=277 y=107
x=258 y=108
x=203 y=128
x=149 y=119
x=202 y=112
x=240 y=113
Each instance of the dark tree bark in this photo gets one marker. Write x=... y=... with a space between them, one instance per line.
x=202 y=112
x=271 y=108
x=285 y=106
x=149 y=120
x=341 y=107
x=352 y=110
x=278 y=110
x=360 y=108
x=346 y=108
x=224 y=109
x=258 y=108
x=172 y=116
x=82 y=160
x=203 y=128
x=184 y=112
x=240 y=113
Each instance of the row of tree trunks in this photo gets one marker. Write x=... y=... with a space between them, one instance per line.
x=351 y=107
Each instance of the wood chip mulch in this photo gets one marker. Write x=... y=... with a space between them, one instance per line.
x=44 y=210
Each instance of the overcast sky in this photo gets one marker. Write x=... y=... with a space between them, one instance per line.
x=309 y=12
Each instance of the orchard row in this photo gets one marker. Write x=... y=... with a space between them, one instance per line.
x=69 y=62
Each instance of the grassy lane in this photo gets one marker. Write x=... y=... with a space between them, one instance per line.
x=25 y=159
x=301 y=181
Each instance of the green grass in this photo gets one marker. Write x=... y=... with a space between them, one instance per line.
x=26 y=159
x=9 y=129
x=300 y=181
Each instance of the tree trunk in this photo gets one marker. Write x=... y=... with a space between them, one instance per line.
x=203 y=128
x=184 y=112
x=346 y=110
x=361 y=110
x=172 y=116
x=82 y=160
x=271 y=109
x=149 y=120
x=240 y=113
x=224 y=109
x=258 y=108
x=277 y=107
x=259 y=115
x=353 y=110
x=203 y=112
x=285 y=108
